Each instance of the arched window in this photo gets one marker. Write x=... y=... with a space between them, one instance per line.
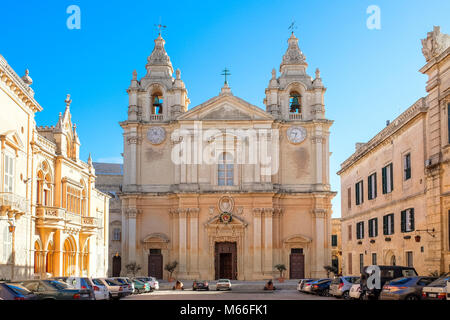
x=49 y=258
x=47 y=187
x=225 y=170
x=157 y=103
x=295 y=102
x=39 y=187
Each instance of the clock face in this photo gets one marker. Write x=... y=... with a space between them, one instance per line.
x=156 y=135
x=296 y=134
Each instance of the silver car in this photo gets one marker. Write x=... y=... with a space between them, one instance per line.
x=129 y=285
x=340 y=286
x=116 y=289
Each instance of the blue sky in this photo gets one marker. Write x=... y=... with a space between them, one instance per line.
x=371 y=75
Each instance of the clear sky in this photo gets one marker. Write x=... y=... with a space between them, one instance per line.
x=371 y=75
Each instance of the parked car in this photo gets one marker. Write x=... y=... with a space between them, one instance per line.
x=340 y=286
x=14 y=291
x=54 y=290
x=355 y=291
x=141 y=286
x=101 y=292
x=307 y=286
x=154 y=284
x=84 y=284
x=302 y=282
x=200 y=284
x=406 y=288
x=223 y=284
x=321 y=287
x=387 y=273
x=436 y=290
x=115 y=289
x=128 y=284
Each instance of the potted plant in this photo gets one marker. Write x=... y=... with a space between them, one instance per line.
x=133 y=268
x=170 y=267
x=330 y=269
x=281 y=268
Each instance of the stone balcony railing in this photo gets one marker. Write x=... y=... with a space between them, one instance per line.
x=295 y=116
x=53 y=217
x=11 y=203
x=156 y=117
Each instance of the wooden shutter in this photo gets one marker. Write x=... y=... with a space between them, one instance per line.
x=362 y=191
x=374 y=189
x=369 y=188
x=358 y=231
x=411 y=212
x=383 y=178
x=391 y=172
x=403 y=221
x=357 y=193
x=370 y=228
x=385 y=225
x=392 y=223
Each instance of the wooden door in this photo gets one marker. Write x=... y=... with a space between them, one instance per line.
x=155 y=263
x=117 y=264
x=297 y=266
x=226 y=260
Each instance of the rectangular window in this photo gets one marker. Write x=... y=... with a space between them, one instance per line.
x=360 y=230
x=387 y=179
x=388 y=224
x=359 y=191
x=361 y=262
x=349 y=232
x=334 y=240
x=350 y=271
x=349 y=198
x=116 y=234
x=374 y=259
x=407 y=220
x=373 y=227
x=409 y=259
x=9 y=173
x=407 y=166
x=7 y=244
x=372 y=186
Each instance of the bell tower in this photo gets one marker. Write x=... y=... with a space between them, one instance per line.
x=157 y=97
x=295 y=95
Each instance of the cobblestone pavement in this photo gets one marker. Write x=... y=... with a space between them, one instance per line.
x=188 y=294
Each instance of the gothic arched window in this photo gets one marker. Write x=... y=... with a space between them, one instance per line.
x=225 y=170
x=295 y=102
x=157 y=103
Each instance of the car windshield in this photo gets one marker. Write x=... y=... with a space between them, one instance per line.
x=441 y=282
x=17 y=288
x=58 y=284
x=224 y=280
x=409 y=273
x=399 y=281
x=352 y=279
x=113 y=282
x=97 y=282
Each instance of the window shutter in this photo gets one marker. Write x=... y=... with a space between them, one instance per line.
x=370 y=228
x=374 y=189
x=392 y=223
x=383 y=178
x=369 y=186
x=362 y=191
x=358 y=230
x=362 y=230
x=376 y=228
x=385 y=225
x=391 y=172
x=357 y=193
x=403 y=221
x=412 y=218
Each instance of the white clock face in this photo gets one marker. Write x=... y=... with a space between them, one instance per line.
x=156 y=135
x=296 y=134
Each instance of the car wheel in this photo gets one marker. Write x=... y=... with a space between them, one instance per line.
x=412 y=298
x=346 y=296
x=207 y=289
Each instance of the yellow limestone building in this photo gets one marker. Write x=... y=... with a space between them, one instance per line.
x=227 y=189
x=53 y=222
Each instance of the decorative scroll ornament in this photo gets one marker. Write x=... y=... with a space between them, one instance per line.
x=435 y=43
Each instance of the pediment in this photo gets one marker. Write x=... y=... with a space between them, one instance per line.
x=236 y=221
x=225 y=107
x=297 y=238
x=156 y=238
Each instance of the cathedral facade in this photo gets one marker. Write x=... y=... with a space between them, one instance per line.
x=227 y=189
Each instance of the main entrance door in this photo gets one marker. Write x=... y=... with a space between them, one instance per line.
x=296 y=264
x=155 y=263
x=117 y=262
x=226 y=260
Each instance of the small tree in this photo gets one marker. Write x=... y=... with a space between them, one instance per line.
x=133 y=268
x=281 y=268
x=329 y=269
x=170 y=267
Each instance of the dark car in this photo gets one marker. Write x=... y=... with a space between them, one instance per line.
x=200 y=285
x=437 y=290
x=387 y=273
x=14 y=291
x=84 y=284
x=407 y=288
x=53 y=290
x=321 y=287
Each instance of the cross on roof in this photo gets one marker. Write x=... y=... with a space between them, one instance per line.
x=226 y=72
x=292 y=26
x=160 y=26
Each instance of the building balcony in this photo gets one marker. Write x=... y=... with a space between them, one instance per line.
x=295 y=116
x=59 y=218
x=156 y=117
x=13 y=204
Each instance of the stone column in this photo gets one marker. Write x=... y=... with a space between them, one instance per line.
x=319 y=246
x=257 y=242
x=131 y=215
x=58 y=254
x=268 y=241
x=182 y=243
x=193 y=248
x=317 y=140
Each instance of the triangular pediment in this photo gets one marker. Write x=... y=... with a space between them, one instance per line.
x=236 y=221
x=225 y=107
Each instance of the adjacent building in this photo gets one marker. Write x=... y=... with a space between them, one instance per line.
x=53 y=221
x=227 y=189
x=395 y=189
x=336 y=245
